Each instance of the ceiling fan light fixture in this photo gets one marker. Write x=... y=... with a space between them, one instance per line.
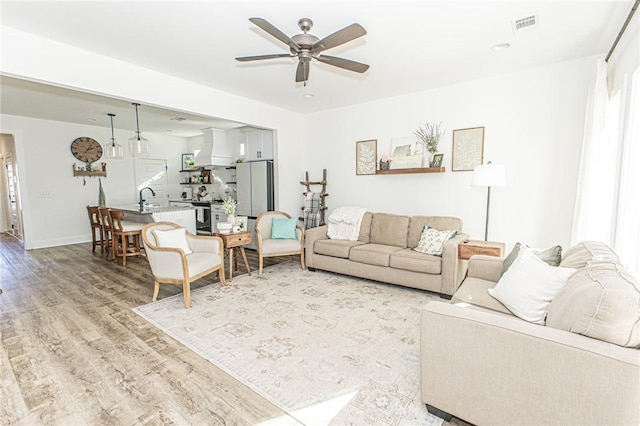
x=307 y=46
x=137 y=144
x=114 y=150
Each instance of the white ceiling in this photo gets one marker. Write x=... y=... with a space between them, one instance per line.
x=410 y=45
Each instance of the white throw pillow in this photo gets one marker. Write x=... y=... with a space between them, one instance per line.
x=529 y=285
x=432 y=241
x=174 y=238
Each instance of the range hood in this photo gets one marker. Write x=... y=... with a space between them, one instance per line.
x=214 y=151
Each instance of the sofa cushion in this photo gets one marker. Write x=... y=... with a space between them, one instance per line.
x=528 y=287
x=411 y=260
x=441 y=223
x=550 y=255
x=432 y=241
x=365 y=228
x=372 y=254
x=602 y=301
x=335 y=248
x=279 y=245
x=389 y=229
x=579 y=255
x=474 y=291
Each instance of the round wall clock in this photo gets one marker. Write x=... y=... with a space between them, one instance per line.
x=86 y=149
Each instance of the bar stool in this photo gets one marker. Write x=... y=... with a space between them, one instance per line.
x=121 y=231
x=105 y=224
x=96 y=227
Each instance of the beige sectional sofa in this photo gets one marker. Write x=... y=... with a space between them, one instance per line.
x=383 y=252
x=485 y=366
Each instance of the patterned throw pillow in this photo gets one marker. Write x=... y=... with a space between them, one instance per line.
x=432 y=241
x=550 y=256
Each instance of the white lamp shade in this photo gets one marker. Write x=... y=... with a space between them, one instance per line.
x=138 y=145
x=488 y=175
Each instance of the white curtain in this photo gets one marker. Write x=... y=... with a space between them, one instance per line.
x=627 y=233
x=608 y=198
x=594 y=200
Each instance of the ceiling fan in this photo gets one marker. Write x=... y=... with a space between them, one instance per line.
x=306 y=46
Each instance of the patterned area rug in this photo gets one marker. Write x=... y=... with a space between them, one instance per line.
x=326 y=348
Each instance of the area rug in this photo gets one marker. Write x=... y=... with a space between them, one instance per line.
x=326 y=348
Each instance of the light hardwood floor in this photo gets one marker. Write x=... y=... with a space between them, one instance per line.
x=73 y=353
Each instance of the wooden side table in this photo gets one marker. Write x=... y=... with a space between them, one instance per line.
x=232 y=240
x=488 y=248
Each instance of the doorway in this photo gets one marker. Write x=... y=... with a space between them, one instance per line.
x=10 y=205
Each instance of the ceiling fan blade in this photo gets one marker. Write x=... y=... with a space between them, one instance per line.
x=342 y=36
x=266 y=26
x=343 y=63
x=302 y=72
x=260 y=57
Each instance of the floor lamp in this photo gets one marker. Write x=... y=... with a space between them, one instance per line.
x=488 y=175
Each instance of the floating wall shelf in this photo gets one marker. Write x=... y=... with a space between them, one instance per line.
x=91 y=173
x=416 y=170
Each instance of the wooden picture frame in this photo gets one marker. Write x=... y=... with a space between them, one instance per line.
x=187 y=162
x=468 y=149
x=366 y=157
x=242 y=221
x=437 y=160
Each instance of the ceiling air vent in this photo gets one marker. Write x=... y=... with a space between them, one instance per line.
x=526 y=23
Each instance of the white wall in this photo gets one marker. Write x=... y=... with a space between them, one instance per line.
x=533 y=119
x=56 y=200
x=533 y=125
x=74 y=68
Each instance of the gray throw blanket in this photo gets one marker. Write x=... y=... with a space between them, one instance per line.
x=311 y=210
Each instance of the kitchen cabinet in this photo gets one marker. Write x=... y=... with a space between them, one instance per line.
x=258 y=145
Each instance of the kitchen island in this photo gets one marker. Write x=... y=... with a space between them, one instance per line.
x=183 y=215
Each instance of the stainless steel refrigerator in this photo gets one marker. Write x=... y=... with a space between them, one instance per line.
x=255 y=192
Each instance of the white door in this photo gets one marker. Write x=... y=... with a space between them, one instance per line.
x=151 y=173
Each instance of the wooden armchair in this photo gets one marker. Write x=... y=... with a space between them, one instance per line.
x=198 y=257
x=268 y=247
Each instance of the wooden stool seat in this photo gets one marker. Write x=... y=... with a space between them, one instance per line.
x=97 y=237
x=105 y=225
x=122 y=230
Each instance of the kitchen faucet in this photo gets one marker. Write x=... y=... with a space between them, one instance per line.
x=140 y=200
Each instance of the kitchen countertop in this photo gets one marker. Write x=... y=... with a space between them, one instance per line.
x=150 y=209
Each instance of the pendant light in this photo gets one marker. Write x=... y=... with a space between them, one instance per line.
x=137 y=144
x=114 y=150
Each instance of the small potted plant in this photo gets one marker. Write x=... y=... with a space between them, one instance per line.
x=385 y=162
x=429 y=136
x=229 y=207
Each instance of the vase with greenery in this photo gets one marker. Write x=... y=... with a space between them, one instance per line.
x=429 y=136
x=229 y=207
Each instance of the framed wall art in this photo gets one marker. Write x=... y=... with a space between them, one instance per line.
x=437 y=160
x=468 y=147
x=187 y=162
x=366 y=155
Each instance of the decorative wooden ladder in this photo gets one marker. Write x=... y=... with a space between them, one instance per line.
x=323 y=193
